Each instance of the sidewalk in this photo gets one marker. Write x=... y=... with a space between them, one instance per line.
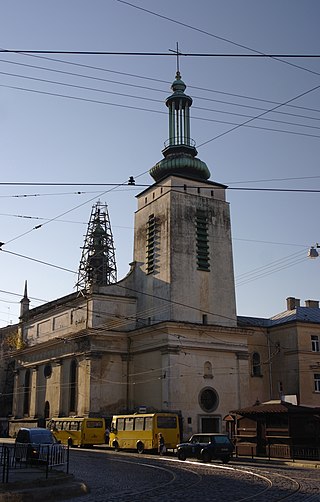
x=29 y=484
x=309 y=464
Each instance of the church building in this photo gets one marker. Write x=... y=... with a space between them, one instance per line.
x=166 y=337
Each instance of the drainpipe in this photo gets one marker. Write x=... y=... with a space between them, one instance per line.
x=128 y=369
x=270 y=365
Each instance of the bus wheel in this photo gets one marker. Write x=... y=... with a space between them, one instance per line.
x=140 y=447
x=115 y=445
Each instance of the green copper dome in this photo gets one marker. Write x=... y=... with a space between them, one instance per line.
x=179 y=152
x=183 y=165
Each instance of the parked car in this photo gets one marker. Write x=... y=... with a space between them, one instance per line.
x=207 y=447
x=30 y=444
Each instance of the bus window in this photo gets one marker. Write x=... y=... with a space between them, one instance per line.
x=148 y=426
x=74 y=426
x=95 y=424
x=129 y=424
x=120 y=424
x=139 y=424
x=166 y=422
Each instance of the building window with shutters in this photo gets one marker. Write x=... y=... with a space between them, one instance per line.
x=315 y=343
x=202 y=240
x=150 y=244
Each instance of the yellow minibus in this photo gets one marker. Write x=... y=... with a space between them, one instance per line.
x=140 y=431
x=77 y=431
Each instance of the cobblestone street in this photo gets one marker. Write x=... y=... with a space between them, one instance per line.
x=129 y=477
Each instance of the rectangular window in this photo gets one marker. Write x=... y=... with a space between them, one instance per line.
x=148 y=426
x=139 y=424
x=120 y=424
x=129 y=424
x=315 y=343
x=166 y=422
x=95 y=424
x=74 y=426
x=317 y=382
x=202 y=239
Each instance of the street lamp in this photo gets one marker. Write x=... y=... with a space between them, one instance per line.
x=313 y=253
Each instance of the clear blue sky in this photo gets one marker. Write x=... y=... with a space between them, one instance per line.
x=101 y=118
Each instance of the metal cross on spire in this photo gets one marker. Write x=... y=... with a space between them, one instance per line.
x=178 y=53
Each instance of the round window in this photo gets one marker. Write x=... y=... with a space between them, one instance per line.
x=47 y=371
x=208 y=399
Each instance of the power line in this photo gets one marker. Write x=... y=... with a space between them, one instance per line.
x=144 y=98
x=146 y=185
x=261 y=115
x=38 y=261
x=130 y=107
x=153 y=80
x=155 y=54
x=224 y=39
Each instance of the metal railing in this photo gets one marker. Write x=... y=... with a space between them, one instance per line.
x=279 y=451
x=13 y=456
x=5 y=461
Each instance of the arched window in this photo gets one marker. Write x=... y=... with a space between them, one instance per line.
x=256 y=364
x=47 y=409
x=26 y=393
x=73 y=386
x=207 y=370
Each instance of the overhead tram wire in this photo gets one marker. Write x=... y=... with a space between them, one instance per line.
x=146 y=185
x=223 y=39
x=104 y=91
x=260 y=272
x=275 y=263
x=270 y=272
x=260 y=115
x=156 y=54
x=243 y=124
x=144 y=77
x=59 y=216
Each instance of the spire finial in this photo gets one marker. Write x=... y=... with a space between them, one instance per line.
x=178 y=53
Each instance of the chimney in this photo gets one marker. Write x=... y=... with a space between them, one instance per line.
x=313 y=304
x=292 y=303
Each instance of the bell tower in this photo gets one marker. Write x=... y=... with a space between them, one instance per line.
x=182 y=247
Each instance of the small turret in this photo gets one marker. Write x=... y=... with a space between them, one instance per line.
x=24 y=302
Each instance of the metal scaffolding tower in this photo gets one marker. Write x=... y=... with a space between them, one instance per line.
x=98 y=264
